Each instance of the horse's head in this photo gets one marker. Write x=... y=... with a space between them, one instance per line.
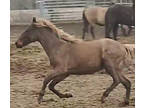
x=29 y=35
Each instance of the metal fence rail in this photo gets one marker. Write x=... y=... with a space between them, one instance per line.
x=70 y=10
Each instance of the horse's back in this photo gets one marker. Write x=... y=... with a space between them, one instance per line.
x=96 y=15
x=100 y=46
x=120 y=13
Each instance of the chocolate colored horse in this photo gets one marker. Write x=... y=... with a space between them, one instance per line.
x=69 y=56
x=118 y=14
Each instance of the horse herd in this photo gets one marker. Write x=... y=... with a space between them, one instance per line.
x=72 y=56
x=110 y=17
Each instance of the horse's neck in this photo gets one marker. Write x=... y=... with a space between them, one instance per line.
x=50 y=43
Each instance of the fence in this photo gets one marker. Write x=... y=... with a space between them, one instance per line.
x=70 y=10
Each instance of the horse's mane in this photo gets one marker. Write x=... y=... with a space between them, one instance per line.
x=61 y=34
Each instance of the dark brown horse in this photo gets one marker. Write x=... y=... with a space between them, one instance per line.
x=118 y=14
x=96 y=16
x=70 y=56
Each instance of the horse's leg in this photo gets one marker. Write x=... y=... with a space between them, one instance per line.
x=108 y=65
x=85 y=29
x=115 y=29
x=83 y=36
x=56 y=81
x=92 y=32
x=108 y=29
x=47 y=80
x=127 y=85
x=130 y=29
x=123 y=30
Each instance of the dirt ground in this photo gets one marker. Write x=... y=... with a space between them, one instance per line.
x=30 y=65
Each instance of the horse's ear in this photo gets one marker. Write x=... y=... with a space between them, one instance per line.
x=34 y=19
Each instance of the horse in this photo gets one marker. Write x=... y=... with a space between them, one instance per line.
x=118 y=14
x=71 y=56
x=96 y=15
x=92 y=16
x=124 y=30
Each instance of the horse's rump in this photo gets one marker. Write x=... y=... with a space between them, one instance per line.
x=96 y=15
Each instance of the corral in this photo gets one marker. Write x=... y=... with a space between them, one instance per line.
x=30 y=65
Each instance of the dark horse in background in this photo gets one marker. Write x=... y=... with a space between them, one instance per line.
x=118 y=14
x=96 y=16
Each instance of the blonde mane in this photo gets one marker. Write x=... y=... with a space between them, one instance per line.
x=61 y=34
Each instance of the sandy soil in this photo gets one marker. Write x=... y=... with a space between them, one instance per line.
x=30 y=65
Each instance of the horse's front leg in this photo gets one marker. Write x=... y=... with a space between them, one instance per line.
x=108 y=28
x=92 y=32
x=56 y=81
x=115 y=29
x=85 y=29
x=57 y=72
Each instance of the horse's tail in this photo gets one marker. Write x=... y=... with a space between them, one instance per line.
x=85 y=21
x=130 y=53
x=133 y=4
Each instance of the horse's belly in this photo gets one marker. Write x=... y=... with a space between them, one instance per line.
x=100 y=22
x=101 y=18
x=85 y=57
x=85 y=66
x=85 y=70
x=89 y=61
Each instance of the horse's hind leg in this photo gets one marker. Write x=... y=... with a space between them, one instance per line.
x=92 y=32
x=85 y=29
x=109 y=67
x=56 y=81
x=127 y=85
x=115 y=29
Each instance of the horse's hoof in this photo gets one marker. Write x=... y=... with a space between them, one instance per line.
x=68 y=95
x=103 y=100
x=39 y=99
x=109 y=37
x=123 y=104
